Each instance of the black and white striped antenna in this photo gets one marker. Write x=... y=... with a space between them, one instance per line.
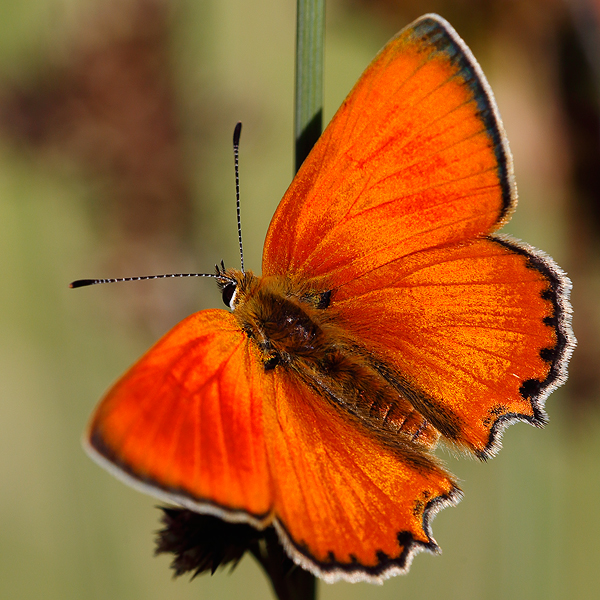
x=219 y=270
x=236 y=157
x=84 y=282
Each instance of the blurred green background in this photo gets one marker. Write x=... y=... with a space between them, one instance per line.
x=115 y=159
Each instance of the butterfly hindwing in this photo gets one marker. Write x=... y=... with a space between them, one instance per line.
x=350 y=506
x=477 y=329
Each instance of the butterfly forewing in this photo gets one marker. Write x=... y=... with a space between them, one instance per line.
x=414 y=158
x=186 y=421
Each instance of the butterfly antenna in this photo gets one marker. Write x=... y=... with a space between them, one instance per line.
x=236 y=156
x=219 y=272
x=85 y=282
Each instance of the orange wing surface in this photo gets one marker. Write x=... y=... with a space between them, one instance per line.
x=415 y=157
x=186 y=422
x=393 y=212
x=478 y=329
x=346 y=504
x=199 y=422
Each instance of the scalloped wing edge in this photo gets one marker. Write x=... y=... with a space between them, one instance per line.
x=387 y=567
x=566 y=342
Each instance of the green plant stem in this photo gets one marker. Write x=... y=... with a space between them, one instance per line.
x=308 y=120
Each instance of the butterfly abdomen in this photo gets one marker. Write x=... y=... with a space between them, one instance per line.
x=349 y=380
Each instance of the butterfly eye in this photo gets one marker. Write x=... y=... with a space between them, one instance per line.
x=228 y=294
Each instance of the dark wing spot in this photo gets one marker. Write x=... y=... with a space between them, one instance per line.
x=501 y=409
x=494 y=413
x=324 y=300
x=548 y=354
x=530 y=388
x=418 y=508
x=405 y=539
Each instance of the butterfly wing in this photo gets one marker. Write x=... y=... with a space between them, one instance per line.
x=199 y=421
x=393 y=212
x=478 y=330
x=415 y=157
x=185 y=422
x=347 y=506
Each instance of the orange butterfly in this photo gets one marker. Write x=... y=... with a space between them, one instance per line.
x=388 y=317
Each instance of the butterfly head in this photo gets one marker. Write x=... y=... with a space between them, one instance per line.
x=235 y=285
x=228 y=289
